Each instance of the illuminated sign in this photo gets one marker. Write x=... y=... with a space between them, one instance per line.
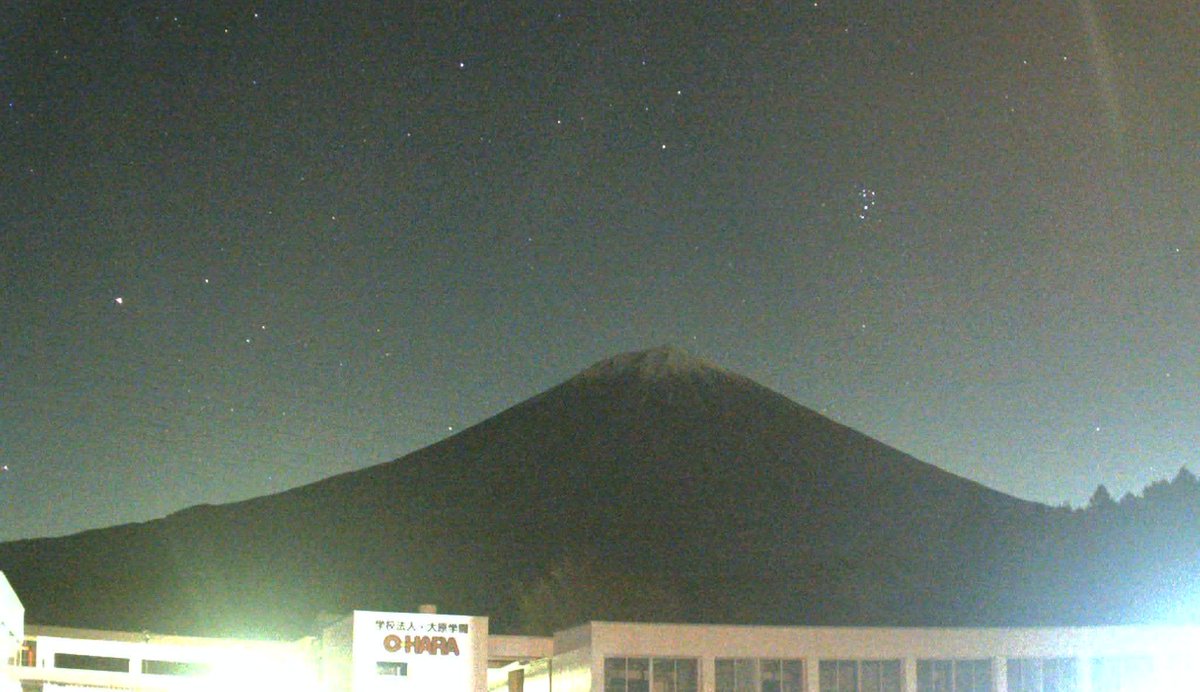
x=418 y=652
x=420 y=645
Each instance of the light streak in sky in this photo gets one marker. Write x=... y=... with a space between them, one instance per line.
x=1102 y=65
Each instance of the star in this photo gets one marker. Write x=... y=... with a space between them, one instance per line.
x=866 y=199
x=961 y=253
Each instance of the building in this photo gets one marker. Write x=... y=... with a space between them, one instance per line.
x=374 y=651
x=371 y=651
x=642 y=657
x=59 y=658
x=12 y=633
x=364 y=652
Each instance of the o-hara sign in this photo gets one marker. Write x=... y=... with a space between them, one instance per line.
x=419 y=652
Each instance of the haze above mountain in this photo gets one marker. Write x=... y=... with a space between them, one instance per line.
x=652 y=485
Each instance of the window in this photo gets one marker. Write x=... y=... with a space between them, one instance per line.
x=954 y=676
x=174 y=668
x=736 y=675
x=29 y=652
x=674 y=674
x=1042 y=675
x=396 y=668
x=782 y=675
x=838 y=676
x=1123 y=674
x=86 y=662
x=861 y=676
x=617 y=676
x=759 y=675
x=650 y=675
x=880 y=676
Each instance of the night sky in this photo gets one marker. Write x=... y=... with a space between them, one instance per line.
x=246 y=247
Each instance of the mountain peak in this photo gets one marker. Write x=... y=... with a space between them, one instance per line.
x=652 y=364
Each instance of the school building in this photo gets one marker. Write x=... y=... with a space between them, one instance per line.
x=426 y=651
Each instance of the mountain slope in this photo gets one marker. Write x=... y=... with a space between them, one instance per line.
x=656 y=466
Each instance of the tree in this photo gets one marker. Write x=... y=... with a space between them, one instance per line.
x=1101 y=499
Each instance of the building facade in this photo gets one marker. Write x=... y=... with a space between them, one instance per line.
x=12 y=633
x=366 y=651
x=371 y=651
x=54 y=659
x=642 y=657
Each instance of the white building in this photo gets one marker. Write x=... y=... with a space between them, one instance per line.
x=364 y=652
x=629 y=657
x=59 y=658
x=417 y=652
x=12 y=633
x=371 y=651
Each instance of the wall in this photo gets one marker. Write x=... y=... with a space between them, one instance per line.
x=432 y=652
x=12 y=631
x=149 y=661
x=1167 y=645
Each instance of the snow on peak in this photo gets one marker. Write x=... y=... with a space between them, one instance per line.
x=653 y=364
